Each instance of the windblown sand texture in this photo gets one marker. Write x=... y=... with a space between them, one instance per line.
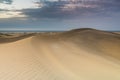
x=81 y=54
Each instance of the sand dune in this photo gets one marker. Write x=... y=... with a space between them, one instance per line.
x=117 y=32
x=82 y=54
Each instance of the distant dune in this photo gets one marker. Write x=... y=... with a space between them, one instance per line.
x=80 y=54
x=117 y=32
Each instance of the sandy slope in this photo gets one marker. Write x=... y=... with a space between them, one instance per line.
x=51 y=57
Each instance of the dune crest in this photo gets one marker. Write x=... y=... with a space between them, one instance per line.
x=81 y=54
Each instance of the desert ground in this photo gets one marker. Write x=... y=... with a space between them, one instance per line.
x=80 y=54
x=117 y=32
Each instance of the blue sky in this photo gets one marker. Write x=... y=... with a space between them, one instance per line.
x=59 y=14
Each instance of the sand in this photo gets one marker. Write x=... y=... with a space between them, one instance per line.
x=117 y=32
x=58 y=57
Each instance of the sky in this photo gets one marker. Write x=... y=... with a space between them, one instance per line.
x=59 y=14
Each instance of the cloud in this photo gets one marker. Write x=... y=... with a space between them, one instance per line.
x=6 y=1
x=71 y=8
x=4 y=10
x=11 y=14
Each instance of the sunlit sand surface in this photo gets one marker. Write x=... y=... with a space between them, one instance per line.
x=84 y=54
